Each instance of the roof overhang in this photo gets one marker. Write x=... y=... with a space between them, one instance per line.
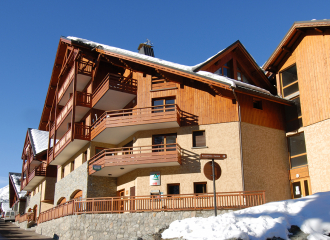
x=291 y=40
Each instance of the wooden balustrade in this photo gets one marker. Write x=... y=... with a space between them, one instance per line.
x=50 y=155
x=179 y=202
x=85 y=67
x=115 y=82
x=61 y=210
x=52 y=130
x=80 y=132
x=136 y=116
x=25 y=217
x=68 y=79
x=63 y=141
x=162 y=84
x=84 y=99
x=64 y=112
x=40 y=171
x=171 y=152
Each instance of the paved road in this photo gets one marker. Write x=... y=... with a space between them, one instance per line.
x=9 y=230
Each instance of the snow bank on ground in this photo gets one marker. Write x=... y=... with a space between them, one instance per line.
x=311 y=214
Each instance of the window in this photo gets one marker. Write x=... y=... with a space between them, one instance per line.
x=241 y=77
x=173 y=188
x=200 y=187
x=225 y=70
x=163 y=104
x=257 y=103
x=199 y=139
x=164 y=142
x=297 y=149
x=128 y=148
x=293 y=118
x=289 y=79
x=98 y=150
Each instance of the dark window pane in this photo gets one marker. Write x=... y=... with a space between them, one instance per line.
x=239 y=76
x=226 y=72
x=297 y=102
x=289 y=76
x=297 y=144
x=171 y=107
x=291 y=89
x=158 y=102
x=174 y=189
x=293 y=125
x=199 y=139
x=200 y=187
x=298 y=161
x=296 y=190
x=170 y=139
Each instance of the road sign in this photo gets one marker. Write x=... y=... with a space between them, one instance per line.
x=213 y=156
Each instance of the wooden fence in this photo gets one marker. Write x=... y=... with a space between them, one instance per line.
x=180 y=202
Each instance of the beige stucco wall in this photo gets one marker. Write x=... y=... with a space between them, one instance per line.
x=317 y=139
x=220 y=138
x=266 y=161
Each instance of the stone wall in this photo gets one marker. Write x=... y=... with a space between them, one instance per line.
x=101 y=187
x=76 y=180
x=115 y=226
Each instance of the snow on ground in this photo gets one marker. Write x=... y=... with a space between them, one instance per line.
x=311 y=214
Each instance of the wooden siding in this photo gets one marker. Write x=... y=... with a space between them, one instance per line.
x=302 y=171
x=271 y=115
x=313 y=67
x=198 y=102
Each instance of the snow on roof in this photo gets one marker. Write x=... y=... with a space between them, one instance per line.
x=39 y=140
x=16 y=177
x=190 y=69
x=311 y=214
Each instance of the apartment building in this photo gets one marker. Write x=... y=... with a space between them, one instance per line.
x=38 y=178
x=116 y=119
x=300 y=67
x=17 y=198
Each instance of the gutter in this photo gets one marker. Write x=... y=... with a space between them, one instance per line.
x=233 y=87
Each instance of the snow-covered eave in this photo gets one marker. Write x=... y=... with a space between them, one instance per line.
x=187 y=70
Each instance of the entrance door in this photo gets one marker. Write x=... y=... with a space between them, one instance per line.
x=300 y=188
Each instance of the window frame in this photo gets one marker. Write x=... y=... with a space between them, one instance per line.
x=194 y=145
x=170 y=185
x=288 y=85
x=200 y=183
x=297 y=155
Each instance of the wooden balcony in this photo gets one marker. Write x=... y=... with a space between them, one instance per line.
x=114 y=92
x=113 y=160
x=72 y=141
x=35 y=177
x=83 y=105
x=169 y=203
x=115 y=126
x=84 y=75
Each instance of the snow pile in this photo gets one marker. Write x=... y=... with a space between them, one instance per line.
x=189 y=69
x=311 y=214
x=4 y=194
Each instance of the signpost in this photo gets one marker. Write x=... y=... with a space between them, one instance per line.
x=219 y=157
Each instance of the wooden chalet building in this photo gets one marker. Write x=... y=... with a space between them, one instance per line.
x=17 y=198
x=300 y=67
x=115 y=117
x=38 y=178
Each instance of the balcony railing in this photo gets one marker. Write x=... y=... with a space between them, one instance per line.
x=136 y=116
x=160 y=153
x=50 y=155
x=84 y=99
x=80 y=132
x=25 y=217
x=40 y=171
x=179 y=202
x=52 y=130
x=84 y=67
x=64 y=112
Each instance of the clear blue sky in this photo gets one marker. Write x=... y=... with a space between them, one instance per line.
x=185 y=31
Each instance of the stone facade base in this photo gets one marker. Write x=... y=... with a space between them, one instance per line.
x=115 y=226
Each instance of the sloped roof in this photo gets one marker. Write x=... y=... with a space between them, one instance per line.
x=188 y=69
x=295 y=33
x=39 y=140
x=16 y=180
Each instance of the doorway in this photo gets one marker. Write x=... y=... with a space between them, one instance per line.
x=300 y=188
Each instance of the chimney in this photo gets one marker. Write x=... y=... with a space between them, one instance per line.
x=146 y=48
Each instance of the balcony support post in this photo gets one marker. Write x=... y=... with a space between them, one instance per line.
x=74 y=103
